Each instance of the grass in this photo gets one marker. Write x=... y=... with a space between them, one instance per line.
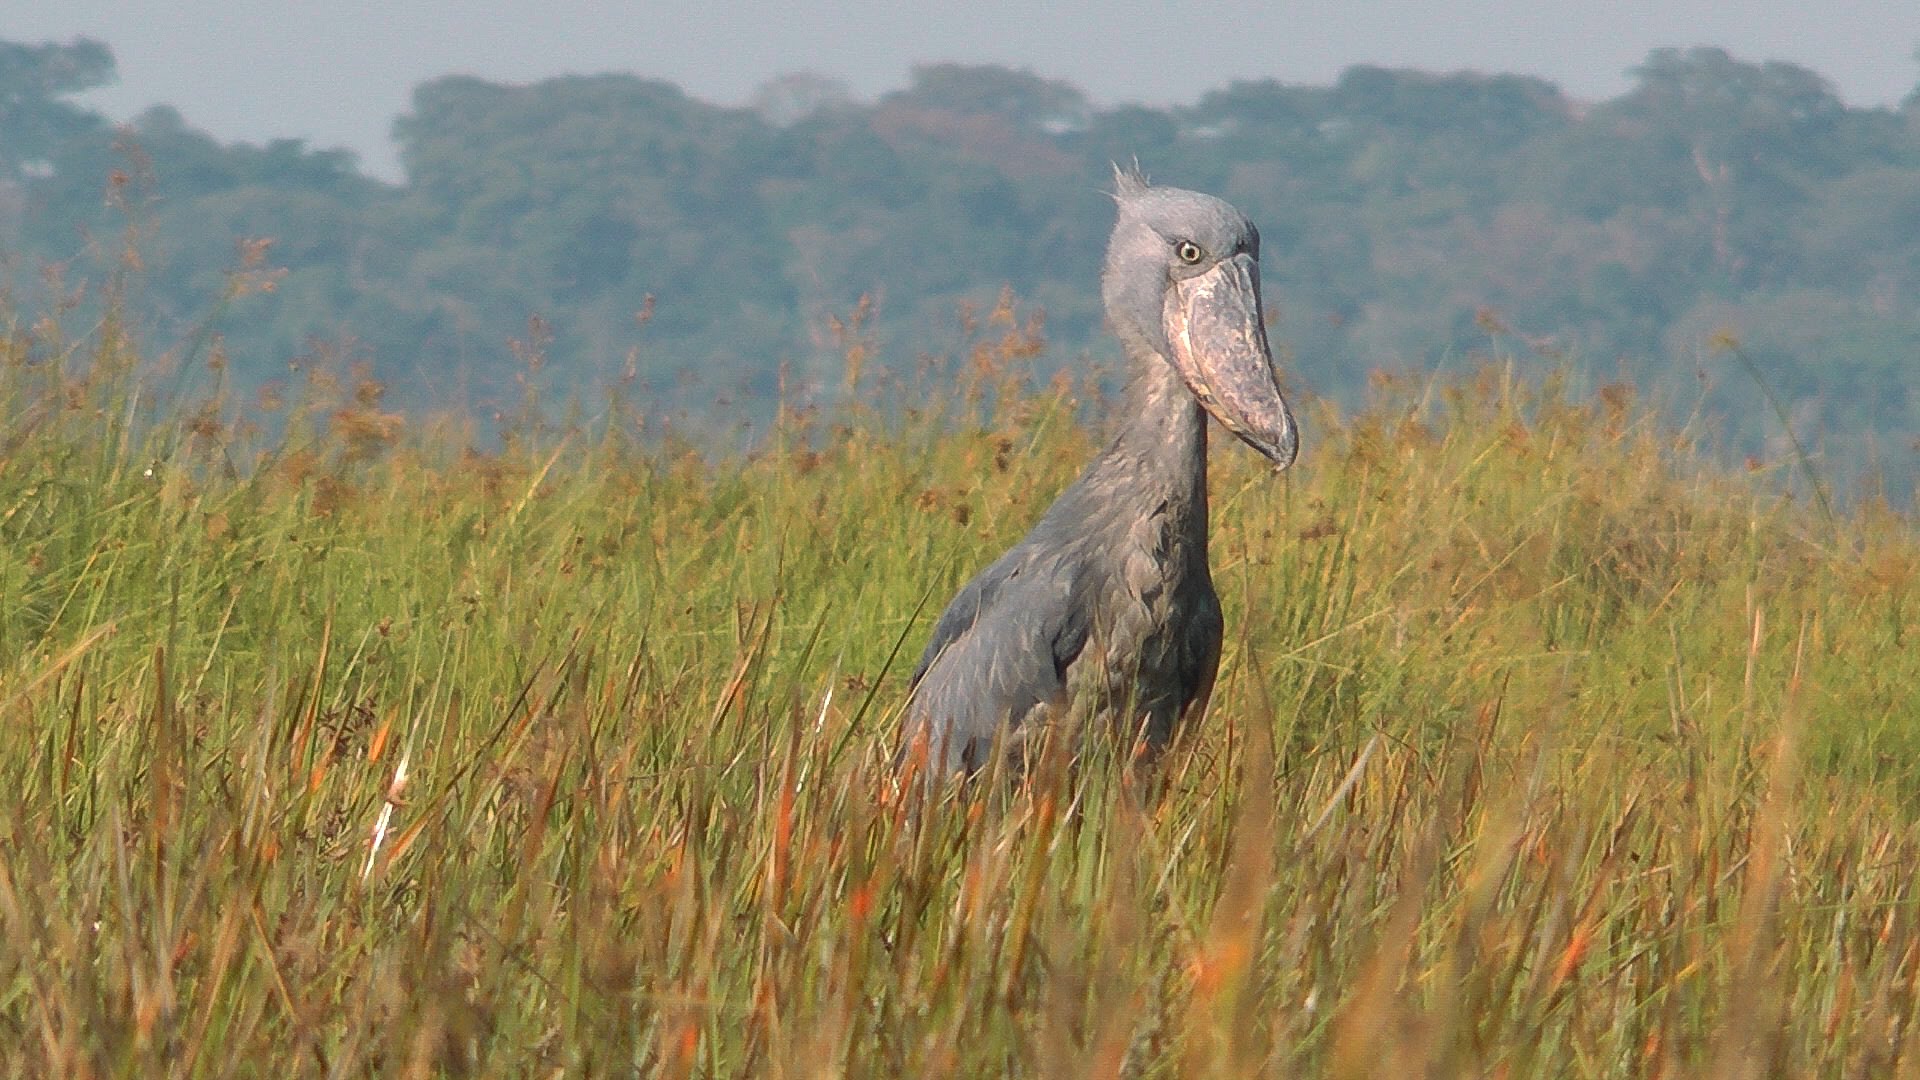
x=1541 y=748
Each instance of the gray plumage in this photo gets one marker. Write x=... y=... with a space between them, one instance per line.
x=1108 y=601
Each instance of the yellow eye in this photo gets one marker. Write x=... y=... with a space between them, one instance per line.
x=1188 y=251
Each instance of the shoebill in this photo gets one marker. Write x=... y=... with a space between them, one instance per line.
x=1107 y=605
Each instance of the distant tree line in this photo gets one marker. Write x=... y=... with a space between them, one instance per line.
x=1409 y=220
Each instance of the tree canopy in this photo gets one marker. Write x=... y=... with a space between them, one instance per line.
x=1410 y=219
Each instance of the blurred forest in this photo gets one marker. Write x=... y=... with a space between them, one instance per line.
x=1722 y=231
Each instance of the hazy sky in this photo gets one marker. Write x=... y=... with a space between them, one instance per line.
x=336 y=72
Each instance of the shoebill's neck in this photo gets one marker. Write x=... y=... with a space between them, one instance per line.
x=1158 y=454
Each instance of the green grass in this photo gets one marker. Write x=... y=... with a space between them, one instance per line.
x=1540 y=749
